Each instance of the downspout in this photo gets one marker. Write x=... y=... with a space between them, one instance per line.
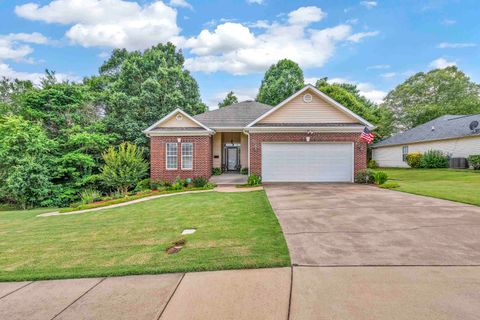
x=248 y=153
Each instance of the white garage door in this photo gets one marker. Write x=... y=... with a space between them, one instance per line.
x=316 y=162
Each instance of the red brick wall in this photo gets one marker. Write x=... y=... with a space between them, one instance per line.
x=202 y=158
x=256 y=139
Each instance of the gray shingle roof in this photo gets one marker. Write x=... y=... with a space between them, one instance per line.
x=236 y=115
x=308 y=125
x=445 y=127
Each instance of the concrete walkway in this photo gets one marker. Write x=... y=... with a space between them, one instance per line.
x=280 y=293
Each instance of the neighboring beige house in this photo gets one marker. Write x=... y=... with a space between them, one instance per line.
x=306 y=137
x=451 y=134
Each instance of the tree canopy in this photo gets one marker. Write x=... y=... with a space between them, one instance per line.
x=280 y=81
x=231 y=98
x=426 y=96
x=141 y=87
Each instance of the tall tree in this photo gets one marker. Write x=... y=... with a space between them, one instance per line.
x=280 y=81
x=142 y=87
x=426 y=96
x=231 y=98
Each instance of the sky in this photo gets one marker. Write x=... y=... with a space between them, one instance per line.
x=228 y=45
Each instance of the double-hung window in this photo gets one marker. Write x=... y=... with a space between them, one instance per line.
x=404 y=153
x=187 y=156
x=172 y=156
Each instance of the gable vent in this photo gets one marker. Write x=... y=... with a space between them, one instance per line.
x=307 y=98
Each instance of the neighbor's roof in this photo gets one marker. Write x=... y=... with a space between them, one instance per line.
x=445 y=127
x=235 y=115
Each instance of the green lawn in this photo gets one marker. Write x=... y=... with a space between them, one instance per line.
x=234 y=230
x=456 y=185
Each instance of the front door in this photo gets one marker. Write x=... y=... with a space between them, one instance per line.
x=232 y=158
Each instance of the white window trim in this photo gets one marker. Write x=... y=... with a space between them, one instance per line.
x=190 y=143
x=166 y=156
x=404 y=155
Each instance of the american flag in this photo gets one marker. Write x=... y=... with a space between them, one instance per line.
x=367 y=135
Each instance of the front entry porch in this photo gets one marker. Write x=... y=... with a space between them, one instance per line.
x=230 y=151
x=228 y=178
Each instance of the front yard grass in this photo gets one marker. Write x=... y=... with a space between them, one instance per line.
x=456 y=185
x=234 y=231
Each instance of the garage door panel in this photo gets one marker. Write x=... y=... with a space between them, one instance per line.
x=322 y=162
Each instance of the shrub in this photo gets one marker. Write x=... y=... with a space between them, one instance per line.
x=372 y=164
x=199 y=182
x=434 y=159
x=124 y=167
x=389 y=185
x=145 y=184
x=216 y=171
x=167 y=184
x=89 y=196
x=254 y=180
x=244 y=171
x=156 y=184
x=474 y=161
x=414 y=159
x=176 y=186
x=365 y=176
x=380 y=177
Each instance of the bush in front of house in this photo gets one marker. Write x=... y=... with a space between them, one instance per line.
x=244 y=171
x=380 y=177
x=414 y=159
x=365 y=176
x=216 y=171
x=389 y=185
x=254 y=180
x=90 y=195
x=434 y=159
x=474 y=161
x=199 y=182
x=124 y=167
x=372 y=164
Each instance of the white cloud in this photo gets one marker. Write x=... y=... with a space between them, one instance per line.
x=357 y=37
x=389 y=75
x=379 y=66
x=449 y=45
x=448 y=22
x=13 y=46
x=233 y=48
x=441 y=63
x=255 y=1
x=7 y=72
x=306 y=15
x=226 y=38
x=180 y=4
x=366 y=89
x=108 y=23
x=369 y=4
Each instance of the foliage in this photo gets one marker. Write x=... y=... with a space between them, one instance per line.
x=434 y=159
x=426 y=96
x=199 y=182
x=28 y=183
x=390 y=185
x=216 y=171
x=254 y=180
x=474 y=161
x=90 y=195
x=414 y=159
x=365 y=176
x=349 y=96
x=280 y=81
x=145 y=184
x=140 y=87
x=230 y=99
x=380 y=177
x=372 y=164
x=244 y=170
x=124 y=167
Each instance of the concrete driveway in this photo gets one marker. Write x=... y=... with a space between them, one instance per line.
x=350 y=225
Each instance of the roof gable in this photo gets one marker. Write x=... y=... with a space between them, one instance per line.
x=322 y=109
x=177 y=119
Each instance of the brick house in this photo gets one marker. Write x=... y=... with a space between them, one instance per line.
x=307 y=137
